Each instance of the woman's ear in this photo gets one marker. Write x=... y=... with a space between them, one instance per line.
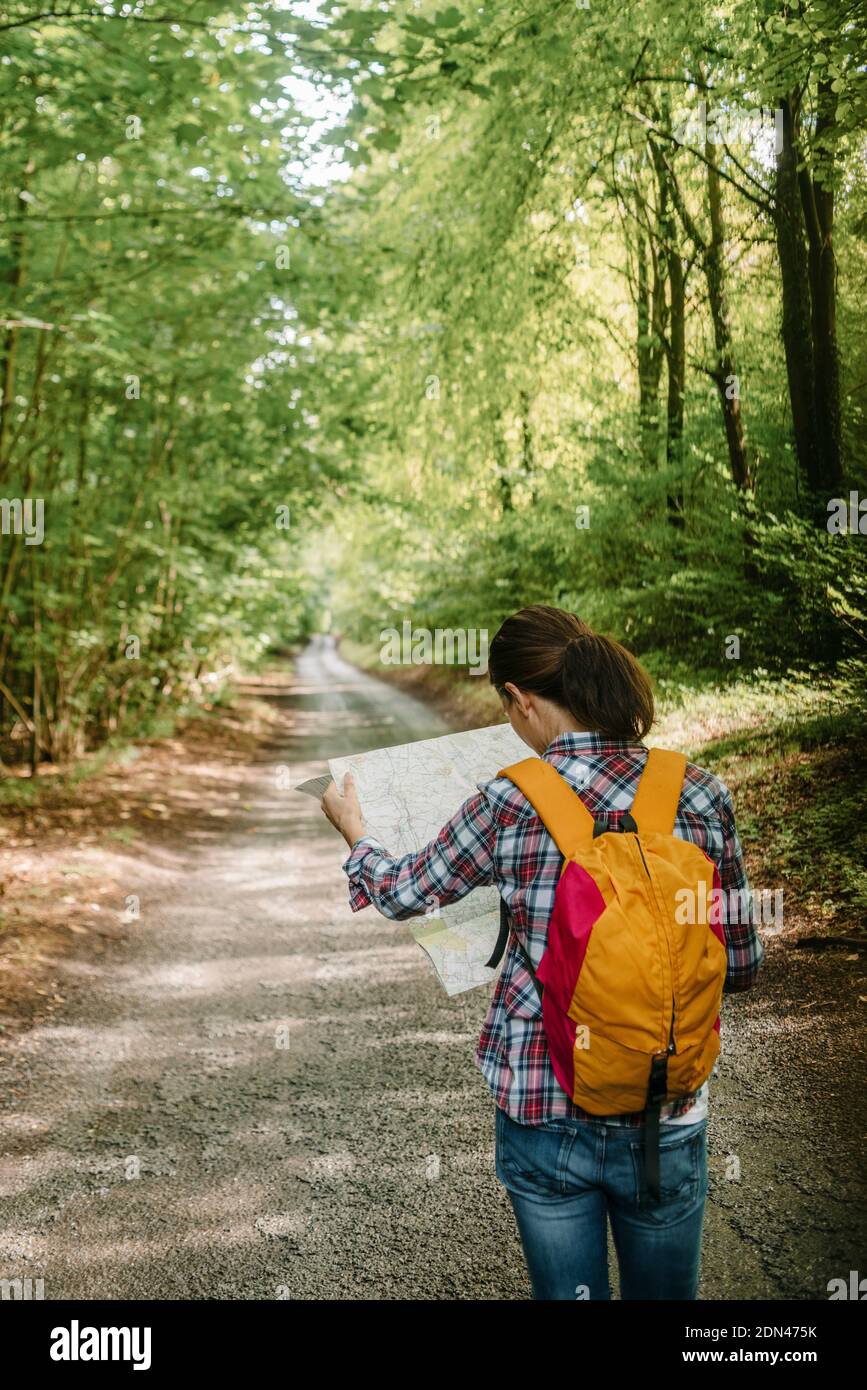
x=518 y=699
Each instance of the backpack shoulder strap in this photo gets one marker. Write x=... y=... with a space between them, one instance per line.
x=560 y=809
x=656 y=800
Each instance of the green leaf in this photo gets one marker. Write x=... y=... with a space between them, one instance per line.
x=387 y=138
x=448 y=19
x=188 y=134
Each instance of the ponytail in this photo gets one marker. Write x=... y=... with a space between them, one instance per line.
x=552 y=653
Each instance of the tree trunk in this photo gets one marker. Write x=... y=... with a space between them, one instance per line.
x=504 y=484
x=14 y=280
x=646 y=403
x=676 y=383
x=724 y=374
x=650 y=323
x=817 y=202
x=675 y=347
x=35 y=749
x=797 y=311
x=527 y=460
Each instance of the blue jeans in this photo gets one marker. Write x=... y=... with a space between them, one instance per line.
x=566 y=1178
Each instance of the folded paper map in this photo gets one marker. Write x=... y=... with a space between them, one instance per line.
x=316 y=786
x=407 y=794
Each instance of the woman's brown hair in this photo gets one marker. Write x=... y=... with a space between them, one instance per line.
x=552 y=653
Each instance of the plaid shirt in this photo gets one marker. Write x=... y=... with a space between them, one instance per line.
x=497 y=838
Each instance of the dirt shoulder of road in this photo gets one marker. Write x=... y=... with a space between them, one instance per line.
x=467 y=703
x=65 y=842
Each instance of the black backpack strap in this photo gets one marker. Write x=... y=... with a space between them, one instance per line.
x=499 y=949
x=502 y=939
x=656 y=1091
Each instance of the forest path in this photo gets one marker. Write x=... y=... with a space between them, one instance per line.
x=158 y=1142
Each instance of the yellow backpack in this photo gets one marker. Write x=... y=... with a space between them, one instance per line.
x=630 y=986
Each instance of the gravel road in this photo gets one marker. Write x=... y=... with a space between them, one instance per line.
x=263 y=1096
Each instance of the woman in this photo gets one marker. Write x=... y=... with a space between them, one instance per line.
x=582 y=703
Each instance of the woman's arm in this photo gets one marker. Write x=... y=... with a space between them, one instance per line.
x=743 y=943
x=344 y=811
x=460 y=858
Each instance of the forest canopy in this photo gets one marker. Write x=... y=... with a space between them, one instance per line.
x=359 y=313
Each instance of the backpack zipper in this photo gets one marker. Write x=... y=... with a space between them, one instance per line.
x=671 y=1044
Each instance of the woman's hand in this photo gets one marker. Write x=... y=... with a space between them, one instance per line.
x=344 y=811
